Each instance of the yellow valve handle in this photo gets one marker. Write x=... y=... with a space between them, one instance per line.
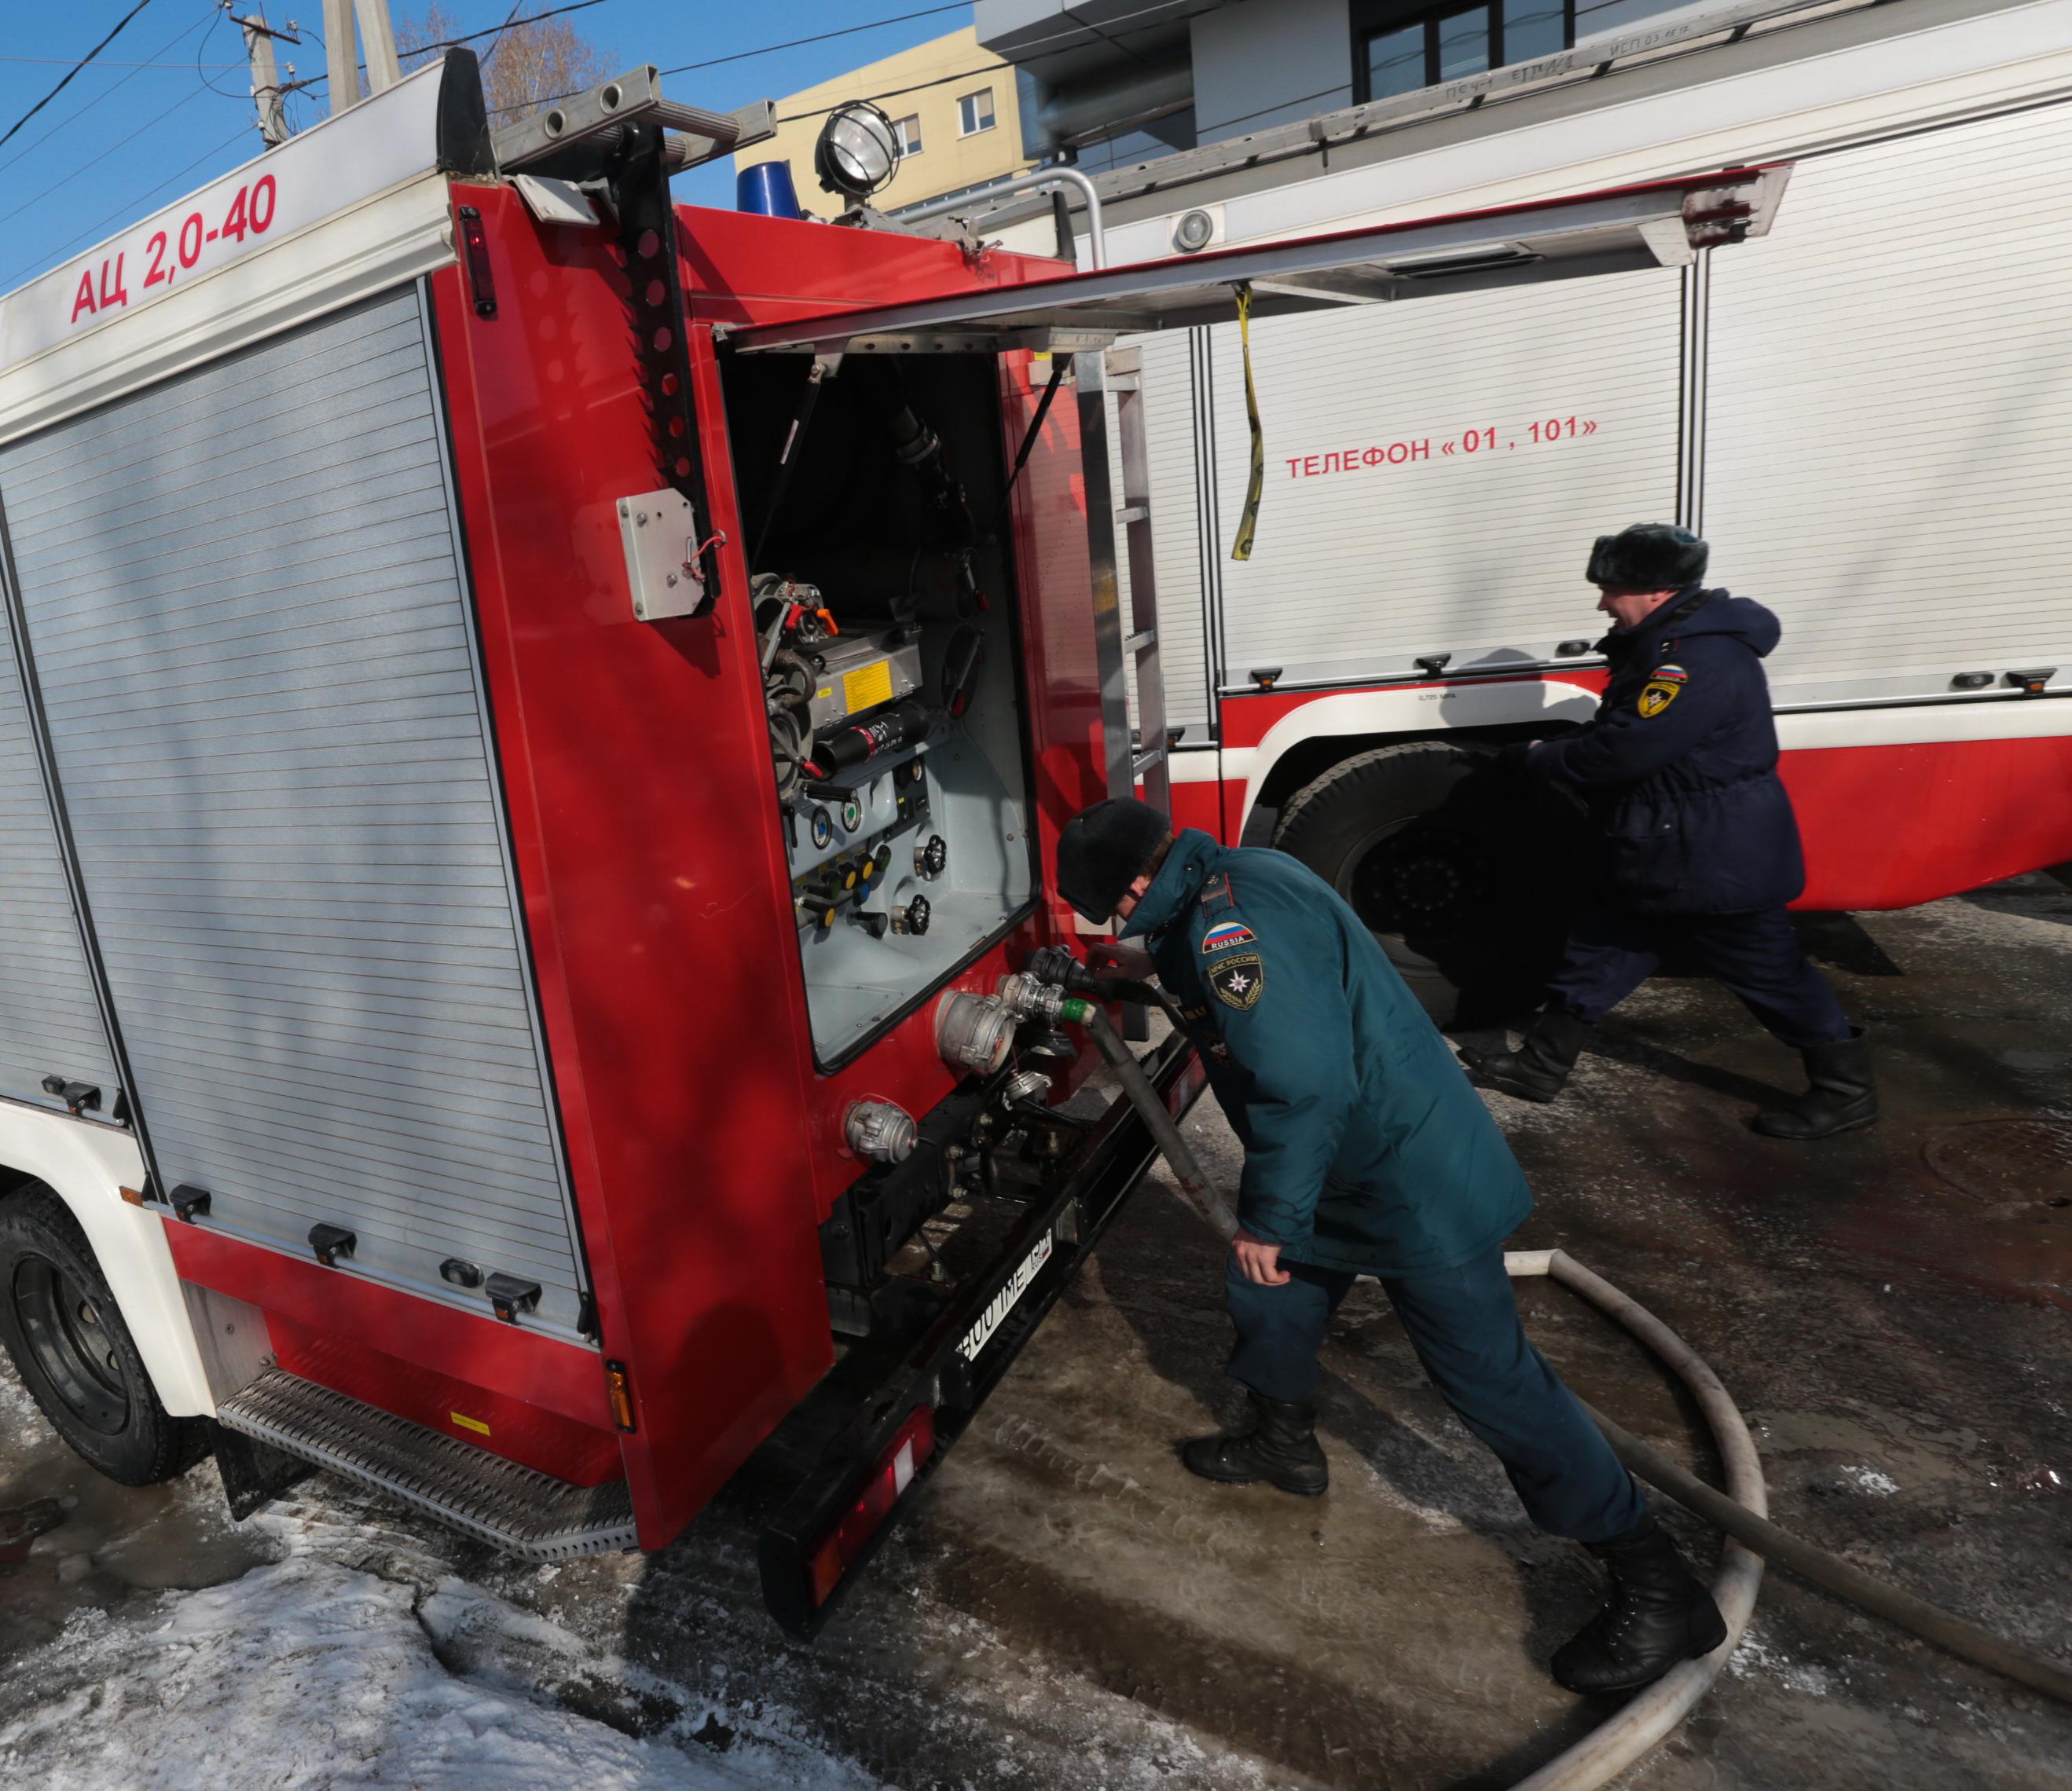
x=1248 y=522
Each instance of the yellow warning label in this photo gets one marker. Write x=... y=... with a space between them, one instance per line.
x=468 y=1424
x=868 y=685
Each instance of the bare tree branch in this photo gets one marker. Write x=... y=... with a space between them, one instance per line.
x=526 y=66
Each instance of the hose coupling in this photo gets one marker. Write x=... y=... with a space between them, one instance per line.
x=1026 y=1085
x=1055 y=963
x=974 y=1032
x=880 y=1130
x=1028 y=997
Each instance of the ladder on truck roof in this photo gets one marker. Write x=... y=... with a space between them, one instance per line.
x=1660 y=223
x=1126 y=659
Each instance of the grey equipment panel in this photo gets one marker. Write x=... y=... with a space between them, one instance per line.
x=259 y=668
x=50 y=1016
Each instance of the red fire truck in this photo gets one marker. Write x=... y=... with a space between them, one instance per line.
x=532 y=720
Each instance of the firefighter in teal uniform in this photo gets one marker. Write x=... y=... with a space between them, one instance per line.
x=1366 y=1152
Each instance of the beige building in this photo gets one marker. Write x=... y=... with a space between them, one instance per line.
x=954 y=105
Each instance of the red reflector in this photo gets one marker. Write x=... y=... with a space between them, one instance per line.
x=909 y=1453
x=474 y=242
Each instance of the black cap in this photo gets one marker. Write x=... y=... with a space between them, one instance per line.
x=1104 y=849
x=1648 y=557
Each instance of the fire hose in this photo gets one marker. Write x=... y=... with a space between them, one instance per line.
x=1740 y=1512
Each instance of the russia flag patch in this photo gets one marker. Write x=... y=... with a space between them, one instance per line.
x=1225 y=934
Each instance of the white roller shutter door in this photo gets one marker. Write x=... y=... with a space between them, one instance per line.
x=1365 y=562
x=1890 y=398
x=244 y=603
x=50 y=1016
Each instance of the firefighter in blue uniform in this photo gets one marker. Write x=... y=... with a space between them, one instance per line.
x=1695 y=848
x=1366 y=1152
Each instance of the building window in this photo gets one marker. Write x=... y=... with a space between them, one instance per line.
x=975 y=113
x=1401 y=54
x=908 y=130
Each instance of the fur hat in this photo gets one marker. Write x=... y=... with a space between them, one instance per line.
x=1648 y=557
x=1103 y=849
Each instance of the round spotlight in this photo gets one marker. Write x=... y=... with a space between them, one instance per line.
x=1193 y=232
x=858 y=151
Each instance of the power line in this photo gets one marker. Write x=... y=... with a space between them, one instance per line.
x=72 y=71
x=508 y=25
x=206 y=38
x=106 y=62
x=896 y=92
x=78 y=111
x=185 y=98
x=492 y=31
x=489 y=56
x=879 y=24
x=1299 y=99
x=129 y=206
x=821 y=37
x=1025 y=54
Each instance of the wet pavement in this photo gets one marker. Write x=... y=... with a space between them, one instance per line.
x=1066 y=1608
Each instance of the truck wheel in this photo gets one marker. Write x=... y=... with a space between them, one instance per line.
x=1461 y=874
x=75 y=1355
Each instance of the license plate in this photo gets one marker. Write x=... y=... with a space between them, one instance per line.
x=1009 y=1296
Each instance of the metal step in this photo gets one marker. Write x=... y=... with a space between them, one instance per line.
x=518 y=1509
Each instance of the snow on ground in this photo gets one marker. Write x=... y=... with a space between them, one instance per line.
x=300 y=1674
x=16 y=1408
x=1759 y=1657
x=310 y=1673
x=1871 y=1481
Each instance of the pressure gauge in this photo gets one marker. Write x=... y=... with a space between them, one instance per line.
x=822 y=826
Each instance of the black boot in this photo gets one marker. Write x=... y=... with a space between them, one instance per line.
x=1281 y=1447
x=1537 y=1069
x=1842 y=1097
x=1658 y=1616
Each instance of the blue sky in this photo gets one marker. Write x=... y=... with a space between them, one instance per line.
x=123 y=140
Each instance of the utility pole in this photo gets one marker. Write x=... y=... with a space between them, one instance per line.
x=267 y=91
x=376 y=38
x=341 y=54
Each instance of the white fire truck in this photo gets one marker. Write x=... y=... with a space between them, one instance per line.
x=531 y=720
x=1866 y=414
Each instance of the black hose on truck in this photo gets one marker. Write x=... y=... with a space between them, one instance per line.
x=1615 y=1745
x=1195 y=1186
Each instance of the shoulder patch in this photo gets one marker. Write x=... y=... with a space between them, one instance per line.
x=1657 y=696
x=1238 y=980
x=1216 y=895
x=1675 y=671
x=1226 y=933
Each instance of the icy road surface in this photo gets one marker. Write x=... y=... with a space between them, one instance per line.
x=1067 y=1610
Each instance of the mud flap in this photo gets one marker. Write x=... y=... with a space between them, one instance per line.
x=254 y=1473
x=947 y=1372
